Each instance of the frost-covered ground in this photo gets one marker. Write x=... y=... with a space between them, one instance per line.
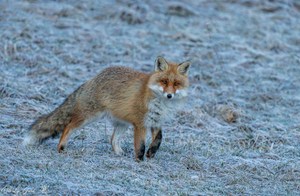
x=238 y=134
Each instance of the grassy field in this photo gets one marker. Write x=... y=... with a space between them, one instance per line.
x=238 y=134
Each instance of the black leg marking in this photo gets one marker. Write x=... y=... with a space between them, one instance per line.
x=61 y=149
x=140 y=154
x=154 y=146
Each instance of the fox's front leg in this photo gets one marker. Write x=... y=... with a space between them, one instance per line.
x=139 y=142
x=156 y=141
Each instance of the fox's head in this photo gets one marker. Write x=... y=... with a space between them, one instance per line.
x=169 y=80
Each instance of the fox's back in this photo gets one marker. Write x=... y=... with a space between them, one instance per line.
x=116 y=79
x=115 y=89
x=118 y=83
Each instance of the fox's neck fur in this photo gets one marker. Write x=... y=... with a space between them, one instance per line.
x=159 y=111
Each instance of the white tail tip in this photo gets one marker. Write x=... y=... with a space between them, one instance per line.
x=29 y=140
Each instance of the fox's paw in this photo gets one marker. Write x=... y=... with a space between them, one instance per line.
x=139 y=159
x=60 y=148
x=150 y=154
x=116 y=147
x=118 y=150
x=140 y=153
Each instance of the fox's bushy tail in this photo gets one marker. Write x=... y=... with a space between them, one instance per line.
x=51 y=125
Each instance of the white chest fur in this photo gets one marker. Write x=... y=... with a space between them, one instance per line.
x=160 y=111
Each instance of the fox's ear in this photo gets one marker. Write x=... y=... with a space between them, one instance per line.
x=183 y=68
x=161 y=64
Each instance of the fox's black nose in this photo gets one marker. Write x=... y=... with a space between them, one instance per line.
x=169 y=96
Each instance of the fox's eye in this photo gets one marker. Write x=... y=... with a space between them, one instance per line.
x=176 y=83
x=164 y=82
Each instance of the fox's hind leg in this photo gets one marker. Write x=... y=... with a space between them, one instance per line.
x=119 y=130
x=75 y=123
x=156 y=141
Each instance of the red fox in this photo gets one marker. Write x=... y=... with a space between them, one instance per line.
x=129 y=97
